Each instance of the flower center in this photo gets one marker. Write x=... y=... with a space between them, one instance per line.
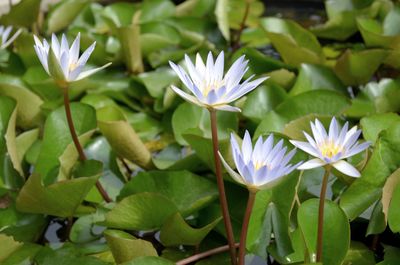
x=330 y=149
x=72 y=66
x=208 y=86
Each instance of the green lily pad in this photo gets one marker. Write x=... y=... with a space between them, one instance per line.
x=126 y=247
x=174 y=185
x=336 y=241
x=295 y=44
x=142 y=211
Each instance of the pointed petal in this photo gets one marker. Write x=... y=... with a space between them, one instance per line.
x=343 y=134
x=244 y=89
x=267 y=146
x=194 y=73
x=230 y=171
x=209 y=65
x=186 y=80
x=236 y=72
x=11 y=40
x=306 y=147
x=5 y=35
x=356 y=149
x=74 y=51
x=258 y=151
x=64 y=44
x=86 y=54
x=351 y=139
x=333 y=130
x=227 y=108
x=321 y=129
x=212 y=97
x=346 y=168
x=90 y=72
x=219 y=66
x=187 y=97
x=55 y=45
x=200 y=66
x=313 y=163
x=247 y=147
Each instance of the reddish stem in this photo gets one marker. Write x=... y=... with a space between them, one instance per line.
x=221 y=189
x=75 y=138
x=205 y=254
x=245 y=226
x=321 y=213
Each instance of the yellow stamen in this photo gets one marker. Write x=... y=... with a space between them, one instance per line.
x=207 y=87
x=330 y=149
x=72 y=66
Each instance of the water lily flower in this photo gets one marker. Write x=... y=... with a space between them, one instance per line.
x=5 y=34
x=63 y=62
x=210 y=88
x=261 y=167
x=333 y=147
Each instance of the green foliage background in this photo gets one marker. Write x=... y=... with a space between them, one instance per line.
x=152 y=151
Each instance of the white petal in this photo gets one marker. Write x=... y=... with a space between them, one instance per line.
x=74 y=51
x=342 y=134
x=187 y=97
x=242 y=90
x=219 y=66
x=227 y=108
x=230 y=171
x=55 y=45
x=313 y=163
x=194 y=73
x=236 y=72
x=306 y=147
x=209 y=65
x=356 y=149
x=333 y=130
x=86 y=54
x=200 y=67
x=247 y=147
x=277 y=159
x=351 y=139
x=310 y=140
x=267 y=146
x=64 y=45
x=64 y=63
x=11 y=40
x=346 y=168
x=321 y=129
x=274 y=151
x=90 y=72
x=258 y=151
x=186 y=80
x=5 y=35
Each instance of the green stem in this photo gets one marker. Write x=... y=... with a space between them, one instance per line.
x=75 y=138
x=221 y=189
x=245 y=226
x=321 y=212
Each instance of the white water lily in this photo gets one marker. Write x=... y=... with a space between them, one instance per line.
x=209 y=86
x=333 y=147
x=262 y=166
x=67 y=58
x=6 y=40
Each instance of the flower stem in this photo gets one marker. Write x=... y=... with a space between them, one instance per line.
x=245 y=226
x=236 y=42
x=321 y=212
x=221 y=189
x=75 y=139
x=205 y=254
